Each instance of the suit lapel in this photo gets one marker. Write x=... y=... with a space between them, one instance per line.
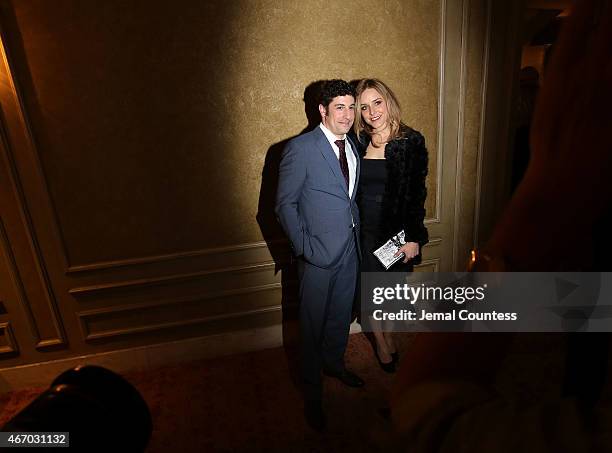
x=330 y=157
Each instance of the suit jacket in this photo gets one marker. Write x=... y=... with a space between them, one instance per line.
x=312 y=200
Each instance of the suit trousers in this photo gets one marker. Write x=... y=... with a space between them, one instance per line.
x=326 y=301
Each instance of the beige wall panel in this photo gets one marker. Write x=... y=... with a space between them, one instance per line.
x=153 y=119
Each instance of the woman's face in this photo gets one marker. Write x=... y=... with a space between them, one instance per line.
x=373 y=109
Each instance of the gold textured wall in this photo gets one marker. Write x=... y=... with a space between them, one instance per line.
x=294 y=45
x=153 y=119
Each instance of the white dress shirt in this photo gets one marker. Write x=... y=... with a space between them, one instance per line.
x=350 y=156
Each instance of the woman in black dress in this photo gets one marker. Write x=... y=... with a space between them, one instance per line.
x=392 y=189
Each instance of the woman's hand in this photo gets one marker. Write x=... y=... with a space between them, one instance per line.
x=410 y=249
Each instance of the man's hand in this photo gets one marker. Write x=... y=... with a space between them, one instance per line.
x=410 y=249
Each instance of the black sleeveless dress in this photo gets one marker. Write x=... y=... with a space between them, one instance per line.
x=372 y=180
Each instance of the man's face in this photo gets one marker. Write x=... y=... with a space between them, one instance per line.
x=339 y=115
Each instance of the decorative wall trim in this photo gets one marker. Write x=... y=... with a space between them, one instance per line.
x=88 y=317
x=220 y=294
x=435 y=262
x=25 y=130
x=90 y=335
x=40 y=344
x=6 y=331
x=148 y=282
x=252 y=267
x=460 y=129
x=483 y=123
x=280 y=242
x=27 y=136
x=433 y=242
x=441 y=102
x=452 y=67
x=14 y=113
x=14 y=274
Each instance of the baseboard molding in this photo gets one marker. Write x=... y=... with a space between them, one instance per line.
x=149 y=357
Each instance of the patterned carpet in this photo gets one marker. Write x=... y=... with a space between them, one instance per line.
x=251 y=403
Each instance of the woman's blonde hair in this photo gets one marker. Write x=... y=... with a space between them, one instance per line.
x=393 y=107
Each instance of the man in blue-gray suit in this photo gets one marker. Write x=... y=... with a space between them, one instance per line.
x=315 y=204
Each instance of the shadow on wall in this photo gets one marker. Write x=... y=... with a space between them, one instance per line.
x=275 y=237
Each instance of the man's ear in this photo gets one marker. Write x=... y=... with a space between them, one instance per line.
x=322 y=110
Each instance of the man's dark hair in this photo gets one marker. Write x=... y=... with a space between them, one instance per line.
x=334 y=88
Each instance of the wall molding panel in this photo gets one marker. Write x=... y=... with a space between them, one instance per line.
x=8 y=345
x=41 y=306
x=251 y=252
x=130 y=322
x=214 y=274
x=465 y=16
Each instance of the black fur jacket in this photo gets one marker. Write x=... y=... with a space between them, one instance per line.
x=405 y=192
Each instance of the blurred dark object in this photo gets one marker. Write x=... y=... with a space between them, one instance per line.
x=100 y=409
x=529 y=86
x=548 y=34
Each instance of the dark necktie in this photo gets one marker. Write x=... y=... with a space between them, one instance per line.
x=343 y=161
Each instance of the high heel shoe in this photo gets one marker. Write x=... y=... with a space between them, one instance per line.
x=387 y=367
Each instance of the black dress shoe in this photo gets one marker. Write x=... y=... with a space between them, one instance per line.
x=314 y=415
x=346 y=377
x=387 y=367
